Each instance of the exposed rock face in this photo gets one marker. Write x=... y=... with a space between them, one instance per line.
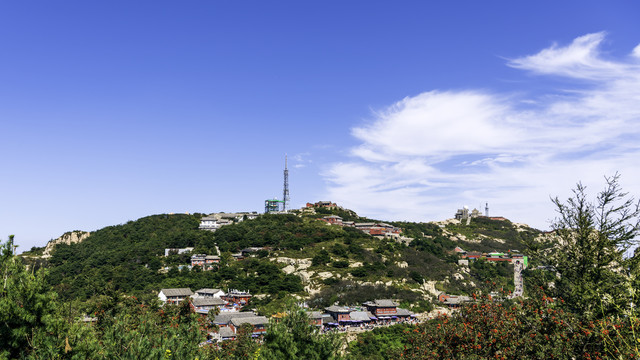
x=430 y=288
x=69 y=238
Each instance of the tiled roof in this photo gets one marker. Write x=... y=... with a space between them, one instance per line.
x=225 y=317
x=360 y=315
x=315 y=315
x=226 y=332
x=403 y=312
x=177 y=292
x=456 y=300
x=207 y=301
x=381 y=303
x=207 y=291
x=337 y=309
x=254 y=320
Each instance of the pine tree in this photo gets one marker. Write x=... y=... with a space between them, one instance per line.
x=592 y=272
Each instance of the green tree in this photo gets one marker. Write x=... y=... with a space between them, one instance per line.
x=321 y=258
x=587 y=256
x=26 y=305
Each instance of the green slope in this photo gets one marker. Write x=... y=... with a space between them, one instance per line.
x=127 y=257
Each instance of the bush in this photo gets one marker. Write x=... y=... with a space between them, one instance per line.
x=359 y=272
x=340 y=264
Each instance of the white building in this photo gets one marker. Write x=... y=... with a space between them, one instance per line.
x=209 y=293
x=174 y=296
x=177 y=251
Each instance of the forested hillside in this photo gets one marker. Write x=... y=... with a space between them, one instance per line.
x=301 y=256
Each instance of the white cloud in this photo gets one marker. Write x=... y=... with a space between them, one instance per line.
x=301 y=160
x=424 y=156
x=581 y=59
x=636 y=52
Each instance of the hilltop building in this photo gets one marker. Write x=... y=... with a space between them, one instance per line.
x=323 y=204
x=215 y=221
x=464 y=213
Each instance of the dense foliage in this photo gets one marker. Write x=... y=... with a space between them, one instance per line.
x=533 y=329
x=280 y=232
x=381 y=343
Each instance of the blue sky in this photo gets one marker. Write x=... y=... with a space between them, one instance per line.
x=110 y=111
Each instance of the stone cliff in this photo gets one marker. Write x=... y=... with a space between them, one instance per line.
x=68 y=238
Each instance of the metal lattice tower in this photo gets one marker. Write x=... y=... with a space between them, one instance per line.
x=285 y=190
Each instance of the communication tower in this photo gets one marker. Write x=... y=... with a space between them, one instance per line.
x=285 y=190
x=486 y=210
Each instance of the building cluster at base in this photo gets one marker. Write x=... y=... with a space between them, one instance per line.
x=206 y=299
x=229 y=315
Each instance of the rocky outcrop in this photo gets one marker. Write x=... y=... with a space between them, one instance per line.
x=68 y=238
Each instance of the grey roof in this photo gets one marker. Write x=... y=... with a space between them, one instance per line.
x=337 y=309
x=326 y=318
x=315 y=315
x=177 y=292
x=364 y=224
x=381 y=303
x=360 y=315
x=403 y=312
x=213 y=257
x=455 y=300
x=207 y=291
x=225 y=317
x=254 y=320
x=207 y=301
x=226 y=332
x=332 y=217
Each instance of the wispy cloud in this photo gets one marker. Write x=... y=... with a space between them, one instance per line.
x=425 y=155
x=301 y=160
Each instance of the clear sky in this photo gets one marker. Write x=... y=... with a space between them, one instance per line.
x=114 y=110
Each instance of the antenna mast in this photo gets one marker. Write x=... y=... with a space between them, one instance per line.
x=285 y=191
